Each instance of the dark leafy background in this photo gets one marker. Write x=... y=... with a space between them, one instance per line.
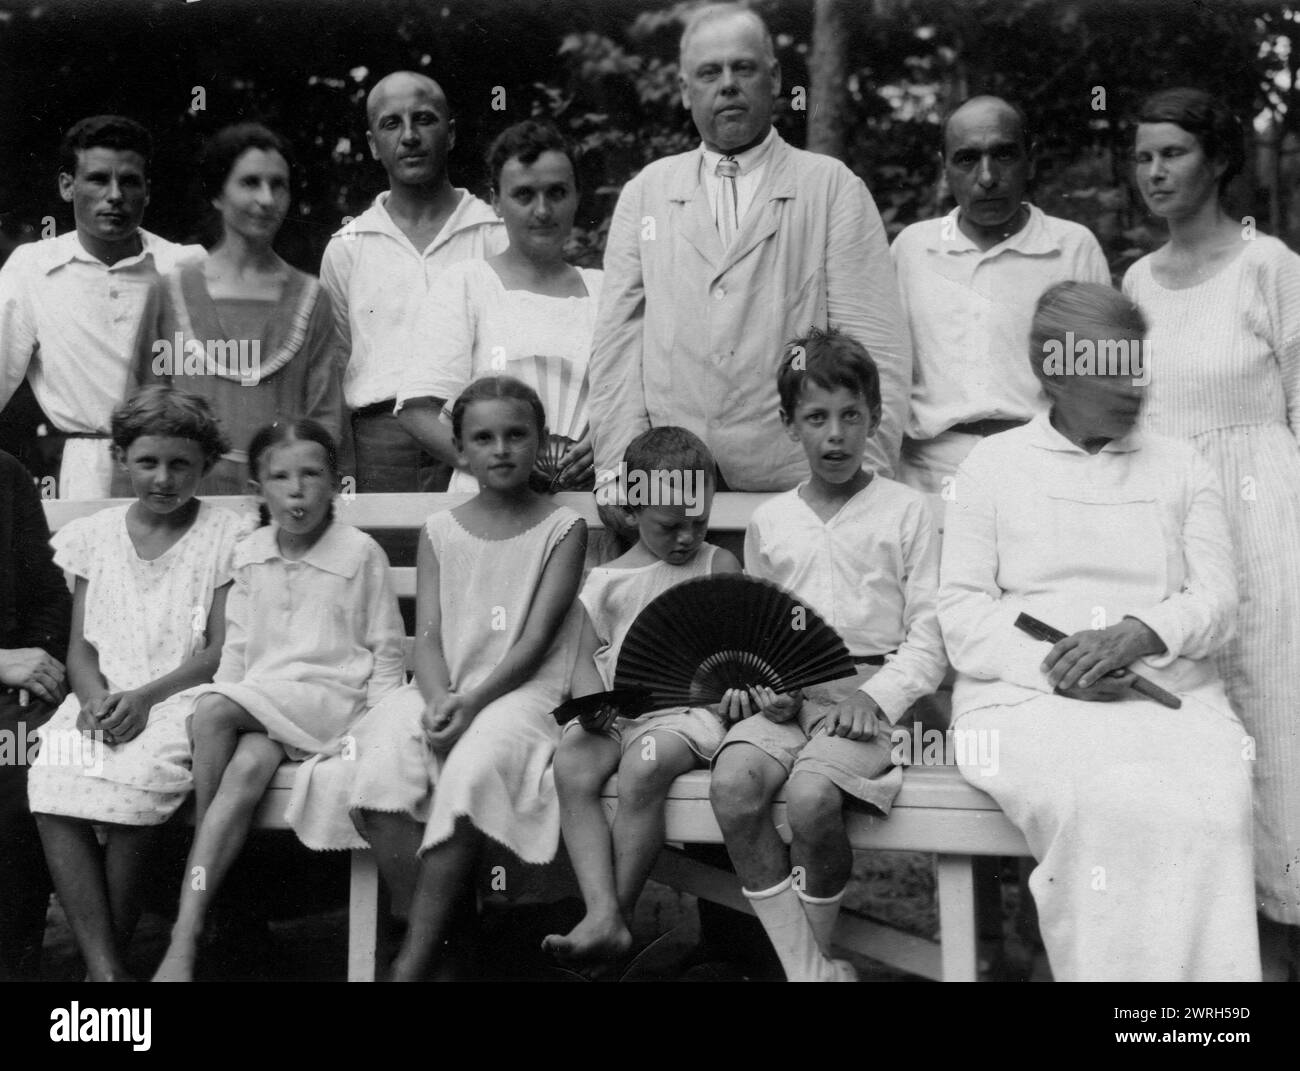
x=606 y=70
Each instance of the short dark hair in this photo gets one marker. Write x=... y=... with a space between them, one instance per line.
x=230 y=143
x=160 y=410
x=525 y=142
x=104 y=132
x=669 y=449
x=1207 y=119
x=830 y=359
x=1026 y=134
x=489 y=388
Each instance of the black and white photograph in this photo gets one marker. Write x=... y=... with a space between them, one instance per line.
x=595 y=491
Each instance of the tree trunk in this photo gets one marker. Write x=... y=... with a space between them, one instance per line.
x=827 y=71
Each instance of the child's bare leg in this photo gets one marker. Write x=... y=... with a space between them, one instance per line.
x=220 y=838
x=215 y=727
x=76 y=864
x=395 y=840
x=583 y=763
x=125 y=858
x=745 y=781
x=647 y=771
x=819 y=842
x=445 y=871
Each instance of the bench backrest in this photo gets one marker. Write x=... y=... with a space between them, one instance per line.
x=731 y=512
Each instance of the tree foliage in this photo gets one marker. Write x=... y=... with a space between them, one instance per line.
x=607 y=71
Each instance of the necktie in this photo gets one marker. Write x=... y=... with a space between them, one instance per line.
x=728 y=199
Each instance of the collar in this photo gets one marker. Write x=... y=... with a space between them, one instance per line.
x=1032 y=240
x=683 y=179
x=469 y=212
x=67 y=247
x=1044 y=436
x=748 y=160
x=337 y=551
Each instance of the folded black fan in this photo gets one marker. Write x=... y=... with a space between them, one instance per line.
x=596 y=712
x=704 y=636
x=546 y=469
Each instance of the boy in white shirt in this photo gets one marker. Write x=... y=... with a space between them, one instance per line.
x=860 y=549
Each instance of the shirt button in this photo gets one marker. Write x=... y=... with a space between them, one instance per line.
x=719 y=293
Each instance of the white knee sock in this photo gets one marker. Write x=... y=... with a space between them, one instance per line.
x=823 y=912
x=791 y=934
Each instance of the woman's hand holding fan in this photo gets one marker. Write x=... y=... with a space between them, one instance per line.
x=577 y=466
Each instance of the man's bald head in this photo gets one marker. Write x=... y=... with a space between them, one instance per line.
x=986 y=104
x=401 y=83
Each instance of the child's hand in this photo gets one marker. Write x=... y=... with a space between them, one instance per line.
x=854 y=718
x=445 y=721
x=738 y=704
x=124 y=716
x=88 y=720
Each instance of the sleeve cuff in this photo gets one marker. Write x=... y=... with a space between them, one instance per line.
x=1163 y=621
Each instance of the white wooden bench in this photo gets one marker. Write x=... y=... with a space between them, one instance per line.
x=936 y=811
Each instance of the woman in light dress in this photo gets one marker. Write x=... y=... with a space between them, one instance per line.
x=525 y=313
x=1224 y=306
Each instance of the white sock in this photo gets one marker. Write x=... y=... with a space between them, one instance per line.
x=787 y=926
x=823 y=912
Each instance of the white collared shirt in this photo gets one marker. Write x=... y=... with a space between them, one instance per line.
x=73 y=324
x=1038 y=525
x=752 y=164
x=378 y=283
x=969 y=312
x=871 y=572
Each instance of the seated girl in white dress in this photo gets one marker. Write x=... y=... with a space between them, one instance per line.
x=313 y=641
x=148 y=623
x=464 y=754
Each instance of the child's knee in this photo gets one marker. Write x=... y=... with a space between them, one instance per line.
x=648 y=769
x=814 y=805
x=581 y=768
x=250 y=768
x=215 y=714
x=736 y=788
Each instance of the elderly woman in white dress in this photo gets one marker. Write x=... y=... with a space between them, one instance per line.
x=1139 y=815
x=525 y=313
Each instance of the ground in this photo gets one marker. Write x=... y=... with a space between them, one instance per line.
x=307 y=937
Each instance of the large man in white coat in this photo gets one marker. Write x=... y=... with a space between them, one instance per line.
x=718 y=256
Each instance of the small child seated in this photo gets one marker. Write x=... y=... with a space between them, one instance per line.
x=861 y=551
x=648 y=752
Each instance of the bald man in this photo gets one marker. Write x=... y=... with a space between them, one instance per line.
x=969 y=282
x=719 y=256
x=379 y=268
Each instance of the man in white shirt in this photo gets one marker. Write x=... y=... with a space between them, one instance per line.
x=968 y=282
x=378 y=270
x=72 y=307
x=719 y=256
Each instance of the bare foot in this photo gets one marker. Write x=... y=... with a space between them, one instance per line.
x=591 y=940
x=177 y=965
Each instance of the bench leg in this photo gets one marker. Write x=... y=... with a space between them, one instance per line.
x=957 y=918
x=363 y=916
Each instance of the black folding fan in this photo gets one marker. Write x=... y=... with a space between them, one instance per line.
x=704 y=636
x=596 y=712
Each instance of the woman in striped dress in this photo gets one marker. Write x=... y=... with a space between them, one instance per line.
x=241 y=327
x=1224 y=305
